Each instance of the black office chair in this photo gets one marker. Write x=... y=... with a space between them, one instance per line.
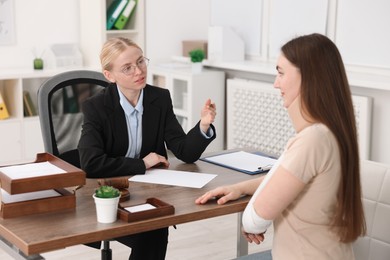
x=60 y=116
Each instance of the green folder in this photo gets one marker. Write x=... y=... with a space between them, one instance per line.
x=125 y=15
x=114 y=11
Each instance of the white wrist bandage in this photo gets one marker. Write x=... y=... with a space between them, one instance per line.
x=252 y=222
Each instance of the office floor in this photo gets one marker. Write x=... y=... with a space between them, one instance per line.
x=212 y=239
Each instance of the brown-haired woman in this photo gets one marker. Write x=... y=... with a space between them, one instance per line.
x=312 y=195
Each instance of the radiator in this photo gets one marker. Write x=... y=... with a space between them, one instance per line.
x=257 y=119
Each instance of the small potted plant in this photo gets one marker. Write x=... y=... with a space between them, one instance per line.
x=106 y=201
x=197 y=56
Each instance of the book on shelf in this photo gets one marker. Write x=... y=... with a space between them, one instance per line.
x=3 y=108
x=114 y=11
x=125 y=15
x=29 y=107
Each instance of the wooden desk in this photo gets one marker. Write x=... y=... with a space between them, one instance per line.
x=41 y=233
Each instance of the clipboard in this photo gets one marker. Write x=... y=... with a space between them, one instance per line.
x=246 y=162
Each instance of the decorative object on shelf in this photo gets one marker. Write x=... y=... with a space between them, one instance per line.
x=38 y=60
x=106 y=201
x=187 y=46
x=197 y=56
x=3 y=108
x=125 y=15
x=66 y=55
x=38 y=64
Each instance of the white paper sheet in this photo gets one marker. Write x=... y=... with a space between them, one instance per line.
x=7 y=198
x=139 y=208
x=31 y=170
x=176 y=178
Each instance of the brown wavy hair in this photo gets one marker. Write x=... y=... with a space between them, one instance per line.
x=326 y=97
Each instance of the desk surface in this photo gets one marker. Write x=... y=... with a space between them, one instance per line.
x=41 y=233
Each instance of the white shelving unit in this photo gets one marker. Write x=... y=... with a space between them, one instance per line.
x=21 y=137
x=23 y=140
x=93 y=33
x=189 y=91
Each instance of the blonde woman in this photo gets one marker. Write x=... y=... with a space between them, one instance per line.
x=128 y=126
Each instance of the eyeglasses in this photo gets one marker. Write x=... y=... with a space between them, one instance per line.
x=129 y=70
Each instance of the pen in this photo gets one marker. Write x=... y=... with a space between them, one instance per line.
x=265 y=168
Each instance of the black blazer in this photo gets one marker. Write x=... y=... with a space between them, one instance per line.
x=104 y=139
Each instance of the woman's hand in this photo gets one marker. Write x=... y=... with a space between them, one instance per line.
x=257 y=238
x=207 y=115
x=154 y=159
x=224 y=194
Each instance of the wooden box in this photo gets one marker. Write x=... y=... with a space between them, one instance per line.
x=162 y=209
x=188 y=46
x=22 y=185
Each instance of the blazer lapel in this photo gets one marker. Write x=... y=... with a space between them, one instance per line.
x=150 y=119
x=117 y=119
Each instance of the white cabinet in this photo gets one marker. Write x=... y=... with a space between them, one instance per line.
x=189 y=91
x=10 y=140
x=20 y=134
x=93 y=33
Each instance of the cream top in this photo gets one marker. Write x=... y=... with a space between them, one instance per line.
x=302 y=231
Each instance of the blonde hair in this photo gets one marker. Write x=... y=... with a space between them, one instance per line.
x=112 y=48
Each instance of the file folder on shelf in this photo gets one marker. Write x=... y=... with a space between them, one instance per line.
x=114 y=11
x=3 y=108
x=249 y=163
x=125 y=15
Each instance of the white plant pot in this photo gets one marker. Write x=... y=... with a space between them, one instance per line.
x=106 y=209
x=197 y=67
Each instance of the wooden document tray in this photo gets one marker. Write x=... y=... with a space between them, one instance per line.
x=162 y=209
x=67 y=200
x=73 y=176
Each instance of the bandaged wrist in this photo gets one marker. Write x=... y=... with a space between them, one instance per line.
x=252 y=222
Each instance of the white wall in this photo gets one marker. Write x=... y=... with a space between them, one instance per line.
x=38 y=24
x=380 y=122
x=167 y=26
x=169 y=22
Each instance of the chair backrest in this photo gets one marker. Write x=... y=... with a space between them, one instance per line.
x=375 y=179
x=59 y=104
